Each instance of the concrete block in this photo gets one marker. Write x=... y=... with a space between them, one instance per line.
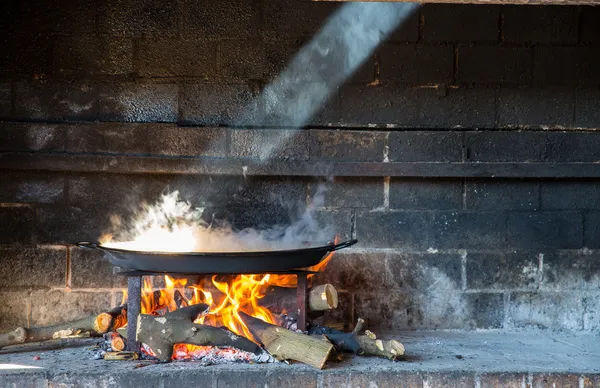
x=551 y=229
x=34 y=267
x=425 y=146
x=426 y=194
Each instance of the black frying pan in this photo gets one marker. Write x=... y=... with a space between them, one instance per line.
x=217 y=263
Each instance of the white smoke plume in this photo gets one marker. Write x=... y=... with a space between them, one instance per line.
x=174 y=225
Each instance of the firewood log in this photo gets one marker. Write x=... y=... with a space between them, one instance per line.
x=320 y=298
x=178 y=327
x=361 y=344
x=93 y=326
x=284 y=344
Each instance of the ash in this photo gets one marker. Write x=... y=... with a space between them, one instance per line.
x=210 y=355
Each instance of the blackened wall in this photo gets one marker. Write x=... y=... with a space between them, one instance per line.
x=87 y=87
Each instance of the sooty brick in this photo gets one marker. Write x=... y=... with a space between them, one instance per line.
x=590 y=24
x=471 y=108
x=5 y=103
x=573 y=147
x=55 y=101
x=416 y=64
x=487 y=310
x=505 y=146
x=587 y=114
x=488 y=194
x=177 y=58
x=571 y=270
x=569 y=194
x=157 y=139
x=425 y=146
x=136 y=18
x=356 y=146
x=32 y=187
x=546 y=310
x=50 y=307
x=494 y=65
x=88 y=56
x=25 y=53
x=305 y=20
x=408 y=29
x=361 y=192
x=540 y=24
x=386 y=104
x=138 y=102
x=549 y=229
x=418 y=271
x=425 y=194
x=90 y=269
x=18 y=225
x=503 y=271
x=211 y=104
x=242 y=60
x=592 y=229
x=566 y=66
x=70 y=224
x=357 y=271
x=220 y=19
x=16 y=136
x=283 y=144
x=33 y=267
x=460 y=22
x=536 y=107
x=15 y=312
x=438 y=230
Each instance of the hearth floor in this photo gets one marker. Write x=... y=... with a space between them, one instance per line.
x=433 y=358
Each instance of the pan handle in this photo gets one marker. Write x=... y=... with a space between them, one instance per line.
x=88 y=245
x=344 y=244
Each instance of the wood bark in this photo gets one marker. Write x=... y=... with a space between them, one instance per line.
x=363 y=345
x=94 y=326
x=177 y=327
x=284 y=344
x=320 y=298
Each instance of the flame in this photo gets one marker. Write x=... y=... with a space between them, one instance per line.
x=226 y=296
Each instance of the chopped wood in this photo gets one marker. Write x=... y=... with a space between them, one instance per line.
x=121 y=356
x=323 y=297
x=94 y=326
x=177 y=327
x=117 y=343
x=284 y=344
x=363 y=345
x=320 y=298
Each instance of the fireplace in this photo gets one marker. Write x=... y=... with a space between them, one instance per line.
x=462 y=154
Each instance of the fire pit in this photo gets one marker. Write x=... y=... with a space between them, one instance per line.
x=286 y=262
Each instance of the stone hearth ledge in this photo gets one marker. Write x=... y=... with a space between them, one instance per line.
x=434 y=359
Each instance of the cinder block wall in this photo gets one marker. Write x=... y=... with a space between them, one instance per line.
x=89 y=85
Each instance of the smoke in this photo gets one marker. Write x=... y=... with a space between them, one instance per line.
x=174 y=225
x=344 y=43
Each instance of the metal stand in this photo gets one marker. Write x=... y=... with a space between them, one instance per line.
x=134 y=302
x=301 y=299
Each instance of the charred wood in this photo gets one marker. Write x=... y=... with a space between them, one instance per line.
x=177 y=327
x=284 y=344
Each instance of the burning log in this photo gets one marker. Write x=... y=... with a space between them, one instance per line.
x=94 y=326
x=177 y=327
x=362 y=345
x=284 y=344
x=320 y=298
x=121 y=356
x=116 y=343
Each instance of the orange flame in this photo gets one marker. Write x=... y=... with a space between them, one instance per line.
x=225 y=296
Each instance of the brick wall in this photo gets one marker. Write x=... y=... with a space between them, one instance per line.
x=478 y=209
